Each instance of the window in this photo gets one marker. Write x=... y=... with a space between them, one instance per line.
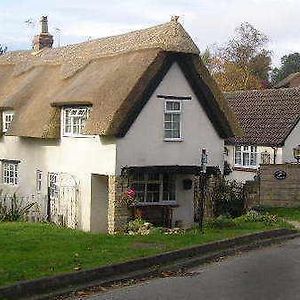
x=74 y=119
x=154 y=188
x=53 y=184
x=39 y=176
x=7 y=119
x=10 y=172
x=246 y=156
x=172 y=120
x=265 y=158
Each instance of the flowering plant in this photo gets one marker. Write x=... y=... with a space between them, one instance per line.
x=129 y=196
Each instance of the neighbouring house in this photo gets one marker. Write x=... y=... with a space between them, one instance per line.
x=80 y=120
x=270 y=120
x=293 y=80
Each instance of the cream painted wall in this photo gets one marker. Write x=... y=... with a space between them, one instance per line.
x=291 y=142
x=184 y=198
x=243 y=176
x=79 y=157
x=144 y=143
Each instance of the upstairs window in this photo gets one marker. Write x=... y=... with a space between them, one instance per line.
x=7 y=117
x=172 y=121
x=74 y=119
x=246 y=156
x=10 y=172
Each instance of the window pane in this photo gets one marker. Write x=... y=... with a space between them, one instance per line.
x=246 y=159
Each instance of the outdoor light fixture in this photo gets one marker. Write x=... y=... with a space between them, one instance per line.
x=296 y=152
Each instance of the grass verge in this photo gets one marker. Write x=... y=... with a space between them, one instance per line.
x=30 y=251
x=289 y=213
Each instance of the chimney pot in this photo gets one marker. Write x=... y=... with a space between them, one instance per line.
x=44 y=39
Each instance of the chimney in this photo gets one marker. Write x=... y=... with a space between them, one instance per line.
x=44 y=39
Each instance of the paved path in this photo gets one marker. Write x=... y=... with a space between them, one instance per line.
x=270 y=273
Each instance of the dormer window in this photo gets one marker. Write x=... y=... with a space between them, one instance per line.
x=7 y=117
x=74 y=119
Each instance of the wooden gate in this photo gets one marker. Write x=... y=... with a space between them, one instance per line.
x=63 y=195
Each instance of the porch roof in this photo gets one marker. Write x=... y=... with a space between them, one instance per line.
x=175 y=169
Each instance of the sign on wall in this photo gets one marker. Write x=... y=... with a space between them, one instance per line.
x=280 y=174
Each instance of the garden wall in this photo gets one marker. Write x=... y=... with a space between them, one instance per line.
x=280 y=185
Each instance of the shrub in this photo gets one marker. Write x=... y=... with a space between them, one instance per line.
x=228 y=198
x=13 y=208
x=139 y=226
x=220 y=222
x=255 y=216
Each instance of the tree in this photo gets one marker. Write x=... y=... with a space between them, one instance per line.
x=243 y=62
x=3 y=49
x=289 y=64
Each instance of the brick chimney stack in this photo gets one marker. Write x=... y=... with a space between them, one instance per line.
x=44 y=39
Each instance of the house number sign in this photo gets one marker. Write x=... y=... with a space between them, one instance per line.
x=280 y=174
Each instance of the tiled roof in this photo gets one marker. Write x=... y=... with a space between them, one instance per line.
x=290 y=81
x=266 y=116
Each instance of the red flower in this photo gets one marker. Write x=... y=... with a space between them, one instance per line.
x=131 y=193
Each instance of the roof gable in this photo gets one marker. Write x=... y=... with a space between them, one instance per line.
x=115 y=75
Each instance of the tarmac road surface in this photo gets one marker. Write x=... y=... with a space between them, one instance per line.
x=269 y=273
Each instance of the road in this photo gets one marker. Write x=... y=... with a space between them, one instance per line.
x=268 y=273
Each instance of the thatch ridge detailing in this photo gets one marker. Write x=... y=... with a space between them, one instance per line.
x=170 y=36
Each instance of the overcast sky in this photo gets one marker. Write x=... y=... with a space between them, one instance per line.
x=207 y=21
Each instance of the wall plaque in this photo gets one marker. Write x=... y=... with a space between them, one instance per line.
x=280 y=174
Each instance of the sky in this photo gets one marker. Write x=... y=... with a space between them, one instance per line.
x=208 y=22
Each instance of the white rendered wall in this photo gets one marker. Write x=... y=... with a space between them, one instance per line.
x=244 y=175
x=144 y=143
x=79 y=157
x=291 y=142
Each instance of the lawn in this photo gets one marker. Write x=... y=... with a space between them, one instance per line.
x=289 y=213
x=31 y=251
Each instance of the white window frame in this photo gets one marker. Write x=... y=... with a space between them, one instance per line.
x=7 y=118
x=77 y=112
x=39 y=180
x=172 y=113
x=241 y=152
x=10 y=172
x=146 y=181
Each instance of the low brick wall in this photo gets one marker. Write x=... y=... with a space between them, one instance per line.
x=280 y=192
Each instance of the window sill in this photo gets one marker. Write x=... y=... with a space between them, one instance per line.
x=173 y=140
x=173 y=204
x=245 y=169
x=77 y=136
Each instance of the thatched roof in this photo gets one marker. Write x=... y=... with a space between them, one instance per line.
x=267 y=117
x=116 y=75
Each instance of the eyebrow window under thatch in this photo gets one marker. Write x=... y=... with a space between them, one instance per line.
x=74 y=119
x=7 y=117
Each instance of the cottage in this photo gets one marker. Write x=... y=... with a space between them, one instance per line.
x=270 y=120
x=80 y=120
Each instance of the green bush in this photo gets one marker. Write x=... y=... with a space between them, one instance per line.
x=220 y=222
x=228 y=198
x=139 y=226
x=255 y=216
x=13 y=208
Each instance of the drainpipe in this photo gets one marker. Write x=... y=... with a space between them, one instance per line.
x=275 y=155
